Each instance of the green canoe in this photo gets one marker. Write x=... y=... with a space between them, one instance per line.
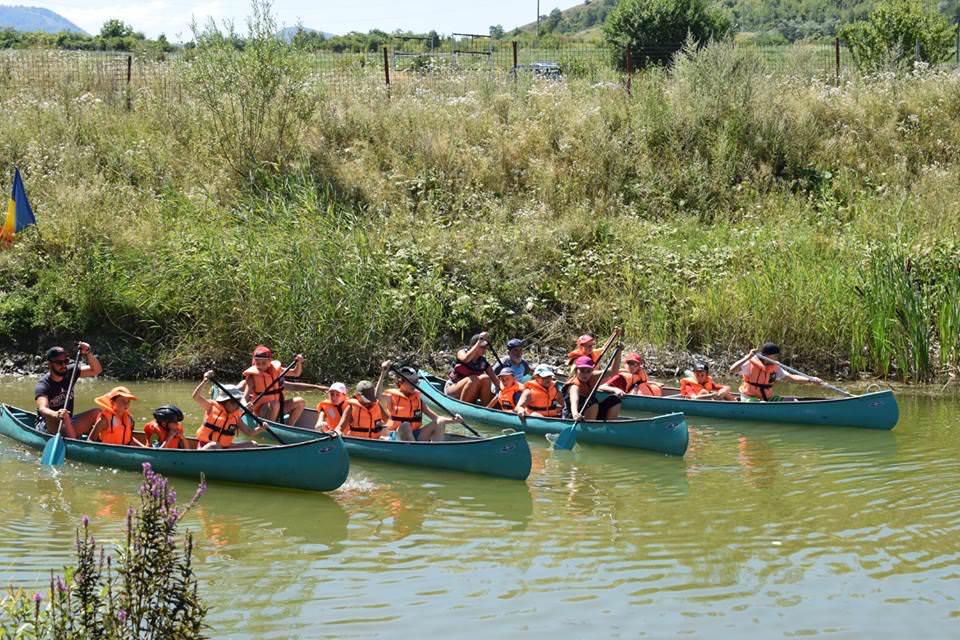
x=318 y=464
x=663 y=434
x=503 y=456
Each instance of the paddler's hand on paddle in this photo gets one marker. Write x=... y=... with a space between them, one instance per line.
x=209 y=375
x=298 y=358
x=521 y=411
x=385 y=365
x=84 y=348
x=457 y=418
x=814 y=380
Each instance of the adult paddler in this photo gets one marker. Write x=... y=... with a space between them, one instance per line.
x=51 y=391
x=222 y=417
x=759 y=374
x=472 y=377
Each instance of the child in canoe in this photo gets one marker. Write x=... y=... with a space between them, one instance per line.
x=114 y=425
x=166 y=427
x=760 y=373
x=634 y=381
x=700 y=385
x=363 y=415
x=331 y=410
x=510 y=391
x=222 y=417
x=264 y=390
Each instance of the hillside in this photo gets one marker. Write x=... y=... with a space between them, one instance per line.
x=781 y=20
x=288 y=33
x=35 y=19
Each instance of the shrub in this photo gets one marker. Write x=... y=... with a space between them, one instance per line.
x=888 y=37
x=656 y=29
x=151 y=593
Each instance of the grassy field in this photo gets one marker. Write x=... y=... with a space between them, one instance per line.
x=717 y=207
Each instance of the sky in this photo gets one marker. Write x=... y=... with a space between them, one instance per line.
x=172 y=17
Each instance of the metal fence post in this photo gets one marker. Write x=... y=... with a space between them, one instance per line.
x=916 y=50
x=386 y=67
x=129 y=74
x=958 y=41
x=836 y=60
x=514 y=60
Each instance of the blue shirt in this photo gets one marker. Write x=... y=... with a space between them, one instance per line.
x=522 y=371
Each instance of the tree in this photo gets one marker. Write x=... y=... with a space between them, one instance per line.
x=890 y=33
x=553 y=20
x=116 y=29
x=496 y=31
x=656 y=29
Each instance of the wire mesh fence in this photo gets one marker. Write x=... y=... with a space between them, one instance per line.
x=407 y=65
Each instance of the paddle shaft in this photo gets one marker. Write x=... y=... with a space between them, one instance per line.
x=494 y=352
x=596 y=385
x=273 y=382
x=568 y=437
x=73 y=379
x=801 y=373
x=249 y=413
x=445 y=410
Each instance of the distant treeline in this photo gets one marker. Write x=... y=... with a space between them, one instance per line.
x=115 y=35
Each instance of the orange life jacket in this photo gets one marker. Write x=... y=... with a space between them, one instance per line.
x=508 y=396
x=367 y=421
x=219 y=425
x=154 y=428
x=258 y=380
x=759 y=379
x=404 y=409
x=331 y=413
x=119 y=429
x=640 y=385
x=580 y=352
x=689 y=387
x=543 y=401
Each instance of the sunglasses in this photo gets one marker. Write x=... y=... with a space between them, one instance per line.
x=63 y=361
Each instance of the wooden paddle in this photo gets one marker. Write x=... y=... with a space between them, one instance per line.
x=249 y=413
x=568 y=437
x=55 y=452
x=397 y=371
x=801 y=373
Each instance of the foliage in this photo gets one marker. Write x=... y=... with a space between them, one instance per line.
x=151 y=593
x=654 y=30
x=888 y=37
x=114 y=36
x=254 y=98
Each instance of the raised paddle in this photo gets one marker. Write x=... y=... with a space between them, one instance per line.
x=55 y=452
x=568 y=437
x=445 y=410
x=249 y=413
x=494 y=353
x=801 y=373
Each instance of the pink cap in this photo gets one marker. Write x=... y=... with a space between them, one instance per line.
x=584 y=362
x=585 y=338
x=262 y=352
x=633 y=357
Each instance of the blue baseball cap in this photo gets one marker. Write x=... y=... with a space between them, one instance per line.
x=513 y=343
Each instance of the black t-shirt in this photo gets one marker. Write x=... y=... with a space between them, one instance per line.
x=56 y=392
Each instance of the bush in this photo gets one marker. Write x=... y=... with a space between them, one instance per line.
x=151 y=593
x=888 y=37
x=656 y=29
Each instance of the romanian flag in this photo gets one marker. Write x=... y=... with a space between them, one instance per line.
x=19 y=212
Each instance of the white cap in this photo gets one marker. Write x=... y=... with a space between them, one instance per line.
x=544 y=371
x=339 y=387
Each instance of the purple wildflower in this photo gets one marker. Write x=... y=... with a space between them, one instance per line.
x=37 y=598
x=61 y=585
x=85 y=521
x=121 y=614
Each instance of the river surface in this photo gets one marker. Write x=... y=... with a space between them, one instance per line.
x=760 y=531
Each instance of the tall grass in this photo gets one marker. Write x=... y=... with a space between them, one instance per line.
x=715 y=208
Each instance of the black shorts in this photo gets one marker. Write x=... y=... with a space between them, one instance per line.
x=605 y=405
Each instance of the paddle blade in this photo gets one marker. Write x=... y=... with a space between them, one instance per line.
x=54 y=452
x=566 y=439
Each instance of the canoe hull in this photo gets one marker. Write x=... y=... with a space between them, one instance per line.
x=318 y=465
x=506 y=456
x=877 y=410
x=663 y=434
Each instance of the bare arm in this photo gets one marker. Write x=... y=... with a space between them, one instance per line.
x=735 y=367
x=43 y=408
x=198 y=396
x=522 y=402
x=92 y=368
x=574 y=401
x=97 y=428
x=494 y=378
x=346 y=419
x=304 y=386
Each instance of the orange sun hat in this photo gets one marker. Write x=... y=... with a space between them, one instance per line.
x=104 y=401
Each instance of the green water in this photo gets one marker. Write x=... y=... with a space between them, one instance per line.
x=760 y=531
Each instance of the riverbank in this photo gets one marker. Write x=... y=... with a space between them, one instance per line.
x=716 y=208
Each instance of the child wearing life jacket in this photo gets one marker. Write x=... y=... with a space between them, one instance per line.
x=166 y=427
x=222 y=418
x=540 y=396
x=262 y=376
x=114 y=425
x=580 y=404
x=406 y=411
x=510 y=391
x=634 y=381
x=759 y=374
x=585 y=344
x=700 y=385
x=331 y=410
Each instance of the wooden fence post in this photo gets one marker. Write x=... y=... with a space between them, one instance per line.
x=836 y=61
x=386 y=67
x=129 y=75
x=515 y=60
x=628 y=63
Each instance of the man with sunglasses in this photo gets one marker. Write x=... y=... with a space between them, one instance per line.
x=51 y=391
